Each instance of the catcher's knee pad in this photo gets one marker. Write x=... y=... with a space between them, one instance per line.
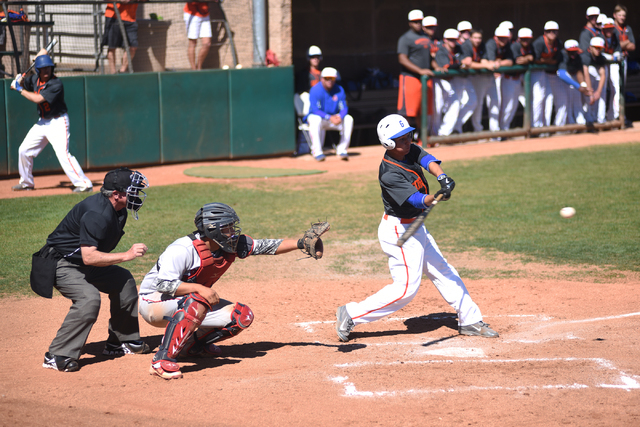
x=191 y=311
x=241 y=319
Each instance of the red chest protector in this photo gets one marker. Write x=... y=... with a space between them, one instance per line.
x=211 y=268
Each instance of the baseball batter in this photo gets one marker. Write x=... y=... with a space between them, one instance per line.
x=405 y=193
x=177 y=292
x=47 y=92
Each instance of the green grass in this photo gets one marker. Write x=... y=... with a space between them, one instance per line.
x=505 y=203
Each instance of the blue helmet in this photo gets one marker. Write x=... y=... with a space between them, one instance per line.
x=44 y=61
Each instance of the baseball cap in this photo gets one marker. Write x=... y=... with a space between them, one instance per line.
x=601 y=18
x=597 y=42
x=118 y=180
x=502 y=32
x=451 y=34
x=464 y=26
x=429 y=21
x=551 y=25
x=593 y=10
x=329 y=72
x=507 y=24
x=314 y=51
x=416 y=15
x=572 y=45
x=525 y=33
x=609 y=23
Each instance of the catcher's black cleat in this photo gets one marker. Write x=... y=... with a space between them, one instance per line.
x=60 y=363
x=129 y=347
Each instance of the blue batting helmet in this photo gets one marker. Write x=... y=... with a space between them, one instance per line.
x=43 y=61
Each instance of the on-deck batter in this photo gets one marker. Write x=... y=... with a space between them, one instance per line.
x=405 y=193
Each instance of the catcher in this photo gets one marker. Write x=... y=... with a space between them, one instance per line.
x=177 y=292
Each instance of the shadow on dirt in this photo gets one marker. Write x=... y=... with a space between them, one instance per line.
x=417 y=325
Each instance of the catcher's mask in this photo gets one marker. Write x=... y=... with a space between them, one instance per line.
x=219 y=222
x=130 y=182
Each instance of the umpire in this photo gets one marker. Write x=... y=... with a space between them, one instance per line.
x=82 y=245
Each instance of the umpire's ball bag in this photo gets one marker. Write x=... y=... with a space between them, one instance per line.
x=43 y=271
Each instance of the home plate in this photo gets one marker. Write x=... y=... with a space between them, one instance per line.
x=457 y=352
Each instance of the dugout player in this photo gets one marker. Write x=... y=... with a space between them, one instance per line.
x=571 y=72
x=198 y=24
x=177 y=292
x=547 y=89
x=477 y=85
x=594 y=66
x=448 y=90
x=414 y=56
x=47 y=92
x=522 y=52
x=83 y=242
x=503 y=88
x=405 y=194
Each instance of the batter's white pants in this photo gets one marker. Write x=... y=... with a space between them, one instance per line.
x=56 y=132
x=511 y=89
x=598 y=111
x=613 y=112
x=468 y=103
x=419 y=255
x=559 y=100
x=450 y=93
x=482 y=85
x=538 y=97
x=317 y=131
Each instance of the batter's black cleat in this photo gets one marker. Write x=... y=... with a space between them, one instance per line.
x=129 y=347
x=60 y=363
x=479 y=329
x=344 y=324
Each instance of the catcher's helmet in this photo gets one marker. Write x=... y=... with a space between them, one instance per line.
x=391 y=127
x=44 y=61
x=130 y=182
x=219 y=222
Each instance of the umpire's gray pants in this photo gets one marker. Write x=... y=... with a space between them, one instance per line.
x=83 y=285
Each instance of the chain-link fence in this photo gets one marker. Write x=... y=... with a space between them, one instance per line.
x=81 y=48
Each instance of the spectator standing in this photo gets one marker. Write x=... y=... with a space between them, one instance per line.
x=522 y=53
x=613 y=52
x=477 y=86
x=310 y=75
x=590 y=30
x=414 y=56
x=570 y=72
x=112 y=37
x=329 y=111
x=626 y=39
x=198 y=25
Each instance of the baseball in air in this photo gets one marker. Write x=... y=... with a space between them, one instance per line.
x=567 y=212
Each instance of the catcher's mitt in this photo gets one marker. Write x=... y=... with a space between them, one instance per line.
x=311 y=243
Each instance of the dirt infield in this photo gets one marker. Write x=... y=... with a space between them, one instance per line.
x=567 y=352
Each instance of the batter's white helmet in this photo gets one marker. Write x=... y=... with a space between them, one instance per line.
x=391 y=127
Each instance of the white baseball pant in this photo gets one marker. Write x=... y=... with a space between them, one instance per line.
x=575 y=109
x=613 y=112
x=481 y=84
x=450 y=93
x=494 y=102
x=419 y=255
x=468 y=103
x=56 y=132
x=538 y=97
x=559 y=99
x=511 y=89
x=156 y=307
x=317 y=131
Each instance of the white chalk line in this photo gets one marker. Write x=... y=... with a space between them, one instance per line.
x=628 y=382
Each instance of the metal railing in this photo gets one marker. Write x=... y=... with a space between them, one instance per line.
x=527 y=130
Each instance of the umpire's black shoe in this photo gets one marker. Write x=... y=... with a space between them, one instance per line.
x=129 y=347
x=60 y=363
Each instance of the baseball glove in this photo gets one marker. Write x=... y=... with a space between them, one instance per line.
x=311 y=243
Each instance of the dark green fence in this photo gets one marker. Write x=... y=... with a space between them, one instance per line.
x=158 y=118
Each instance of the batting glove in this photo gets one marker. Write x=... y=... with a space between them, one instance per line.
x=15 y=84
x=447 y=185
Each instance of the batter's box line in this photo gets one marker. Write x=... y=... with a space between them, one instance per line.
x=309 y=326
x=628 y=382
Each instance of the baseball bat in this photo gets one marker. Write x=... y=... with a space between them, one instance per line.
x=417 y=222
x=4 y=73
x=49 y=48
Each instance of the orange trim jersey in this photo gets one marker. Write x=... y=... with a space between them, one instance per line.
x=197 y=9
x=127 y=11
